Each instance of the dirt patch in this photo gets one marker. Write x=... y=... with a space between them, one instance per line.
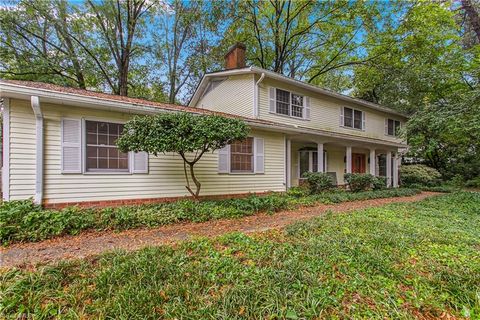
x=93 y=243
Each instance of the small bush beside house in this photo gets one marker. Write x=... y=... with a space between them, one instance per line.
x=419 y=174
x=318 y=181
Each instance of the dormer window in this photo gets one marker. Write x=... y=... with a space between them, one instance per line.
x=290 y=104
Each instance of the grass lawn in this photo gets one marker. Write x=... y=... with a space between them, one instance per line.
x=399 y=261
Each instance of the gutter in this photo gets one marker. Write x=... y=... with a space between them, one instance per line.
x=35 y=101
x=256 y=95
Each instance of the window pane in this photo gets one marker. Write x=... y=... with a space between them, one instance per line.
x=357 y=119
x=390 y=127
x=297 y=100
x=304 y=162
x=348 y=117
x=297 y=111
x=315 y=161
x=397 y=128
x=241 y=155
x=283 y=102
x=102 y=153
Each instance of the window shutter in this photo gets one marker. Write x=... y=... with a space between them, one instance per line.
x=259 y=155
x=224 y=160
x=139 y=162
x=341 y=117
x=272 y=99
x=71 y=132
x=363 y=120
x=386 y=126
x=306 y=114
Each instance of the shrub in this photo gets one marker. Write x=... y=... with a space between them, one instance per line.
x=318 y=181
x=297 y=192
x=379 y=183
x=359 y=181
x=473 y=183
x=419 y=174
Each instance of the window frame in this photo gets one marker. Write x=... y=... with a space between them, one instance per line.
x=252 y=139
x=395 y=129
x=311 y=162
x=84 y=133
x=291 y=104
x=362 y=117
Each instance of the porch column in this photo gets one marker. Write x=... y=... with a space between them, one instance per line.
x=395 y=170
x=320 y=157
x=373 y=165
x=349 y=159
x=288 y=164
x=389 y=169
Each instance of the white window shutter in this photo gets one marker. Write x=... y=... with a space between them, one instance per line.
x=139 y=162
x=341 y=117
x=386 y=126
x=71 y=144
x=259 y=155
x=224 y=160
x=306 y=114
x=272 y=98
x=363 y=120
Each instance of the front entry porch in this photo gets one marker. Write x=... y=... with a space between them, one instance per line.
x=338 y=158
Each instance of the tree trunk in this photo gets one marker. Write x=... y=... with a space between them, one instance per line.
x=473 y=16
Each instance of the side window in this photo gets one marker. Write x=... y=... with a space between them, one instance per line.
x=241 y=156
x=392 y=127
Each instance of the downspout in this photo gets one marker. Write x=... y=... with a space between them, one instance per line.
x=39 y=149
x=256 y=94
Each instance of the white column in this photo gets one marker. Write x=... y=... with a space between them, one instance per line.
x=389 y=169
x=349 y=159
x=373 y=160
x=288 y=164
x=395 y=171
x=320 y=157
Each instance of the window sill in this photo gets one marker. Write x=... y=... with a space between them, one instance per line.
x=241 y=173
x=289 y=117
x=102 y=173
x=350 y=128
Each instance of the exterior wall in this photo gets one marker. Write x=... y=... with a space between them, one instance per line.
x=234 y=95
x=325 y=113
x=22 y=150
x=165 y=177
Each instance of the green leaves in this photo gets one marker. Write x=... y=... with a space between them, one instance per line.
x=181 y=133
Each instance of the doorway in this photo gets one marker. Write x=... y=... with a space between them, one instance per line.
x=358 y=163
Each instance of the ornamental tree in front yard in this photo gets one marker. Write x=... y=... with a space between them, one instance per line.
x=189 y=135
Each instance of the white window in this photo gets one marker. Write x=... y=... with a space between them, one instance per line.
x=392 y=127
x=102 y=152
x=308 y=162
x=289 y=104
x=92 y=148
x=246 y=156
x=352 y=118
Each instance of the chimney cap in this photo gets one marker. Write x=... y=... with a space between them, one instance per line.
x=239 y=45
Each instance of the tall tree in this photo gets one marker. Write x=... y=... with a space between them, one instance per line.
x=184 y=44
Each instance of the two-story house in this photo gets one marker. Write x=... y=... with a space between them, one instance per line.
x=352 y=135
x=59 y=143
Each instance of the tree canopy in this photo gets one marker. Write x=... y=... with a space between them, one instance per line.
x=186 y=134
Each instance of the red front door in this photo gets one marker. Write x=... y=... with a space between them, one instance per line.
x=358 y=163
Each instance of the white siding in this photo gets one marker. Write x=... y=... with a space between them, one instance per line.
x=165 y=177
x=22 y=150
x=234 y=95
x=325 y=113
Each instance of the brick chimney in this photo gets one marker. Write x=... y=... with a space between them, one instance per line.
x=235 y=57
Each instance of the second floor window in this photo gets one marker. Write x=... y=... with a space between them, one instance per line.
x=353 y=118
x=393 y=127
x=289 y=104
